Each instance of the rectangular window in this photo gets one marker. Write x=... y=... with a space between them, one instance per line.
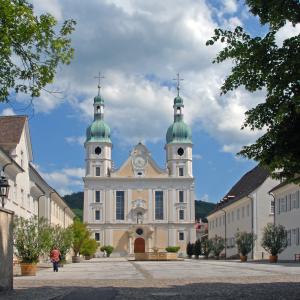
x=97 y=171
x=97 y=196
x=289 y=200
x=180 y=171
x=181 y=196
x=298 y=236
x=181 y=236
x=120 y=199
x=243 y=212
x=282 y=205
x=248 y=210
x=97 y=236
x=238 y=214
x=232 y=216
x=97 y=215
x=278 y=206
x=297 y=199
x=181 y=214
x=159 y=205
x=272 y=208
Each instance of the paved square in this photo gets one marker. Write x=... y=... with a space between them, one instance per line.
x=117 y=278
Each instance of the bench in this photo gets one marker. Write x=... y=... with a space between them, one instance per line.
x=297 y=257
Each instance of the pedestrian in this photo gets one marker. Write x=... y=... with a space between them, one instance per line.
x=55 y=258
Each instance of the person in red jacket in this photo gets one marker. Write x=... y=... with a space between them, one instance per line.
x=55 y=258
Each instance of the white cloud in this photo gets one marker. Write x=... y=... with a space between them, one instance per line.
x=66 y=180
x=230 y=6
x=286 y=32
x=8 y=112
x=75 y=140
x=140 y=46
x=197 y=156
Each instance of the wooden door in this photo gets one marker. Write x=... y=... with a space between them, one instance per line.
x=139 y=245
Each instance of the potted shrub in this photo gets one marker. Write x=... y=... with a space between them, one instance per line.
x=62 y=238
x=274 y=240
x=218 y=245
x=197 y=249
x=89 y=248
x=172 y=249
x=244 y=242
x=206 y=247
x=32 y=239
x=80 y=234
x=190 y=249
x=108 y=250
x=172 y=252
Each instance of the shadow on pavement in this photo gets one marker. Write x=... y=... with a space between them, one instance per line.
x=216 y=291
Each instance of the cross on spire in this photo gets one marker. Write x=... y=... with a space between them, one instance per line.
x=99 y=77
x=178 y=79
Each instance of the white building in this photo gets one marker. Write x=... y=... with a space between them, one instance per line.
x=246 y=207
x=29 y=194
x=139 y=206
x=287 y=213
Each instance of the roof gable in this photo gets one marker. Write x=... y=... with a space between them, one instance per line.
x=11 y=128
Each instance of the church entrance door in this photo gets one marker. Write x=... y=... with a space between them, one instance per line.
x=139 y=245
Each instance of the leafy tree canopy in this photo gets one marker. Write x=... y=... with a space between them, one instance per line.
x=31 y=48
x=260 y=63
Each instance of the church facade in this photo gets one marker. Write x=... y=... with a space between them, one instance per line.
x=139 y=206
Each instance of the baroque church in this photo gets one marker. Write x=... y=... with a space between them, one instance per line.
x=139 y=206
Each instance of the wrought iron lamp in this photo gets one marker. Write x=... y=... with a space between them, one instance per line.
x=4 y=189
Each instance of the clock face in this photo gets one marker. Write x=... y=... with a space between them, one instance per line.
x=139 y=162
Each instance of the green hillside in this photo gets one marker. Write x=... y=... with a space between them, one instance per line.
x=75 y=201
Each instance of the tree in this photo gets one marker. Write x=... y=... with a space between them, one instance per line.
x=62 y=238
x=207 y=247
x=274 y=239
x=89 y=247
x=80 y=234
x=260 y=63
x=31 y=48
x=190 y=249
x=197 y=248
x=108 y=249
x=32 y=239
x=218 y=245
x=244 y=241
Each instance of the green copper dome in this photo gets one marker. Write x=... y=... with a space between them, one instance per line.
x=178 y=101
x=98 y=99
x=99 y=131
x=179 y=132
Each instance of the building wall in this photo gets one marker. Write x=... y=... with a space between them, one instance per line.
x=252 y=211
x=287 y=207
x=6 y=249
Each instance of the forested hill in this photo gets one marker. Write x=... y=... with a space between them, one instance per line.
x=75 y=201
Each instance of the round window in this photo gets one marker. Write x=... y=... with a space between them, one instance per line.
x=98 y=150
x=139 y=231
x=180 y=151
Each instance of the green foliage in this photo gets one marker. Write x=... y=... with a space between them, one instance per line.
x=173 y=249
x=190 y=249
x=32 y=237
x=218 y=245
x=89 y=247
x=80 y=234
x=203 y=208
x=244 y=242
x=207 y=247
x=108 y=249
x=274 y=239
x=75 y=202
x=62 y=238
x=31 y=48
x=260 y=63
x=197 y=248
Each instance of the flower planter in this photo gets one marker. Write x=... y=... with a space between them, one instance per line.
x=243 y=258
x=28 y=269
x=87 y=257
x=273 y=258
x=75 y=259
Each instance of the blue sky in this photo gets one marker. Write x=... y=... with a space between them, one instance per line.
x=139 y=46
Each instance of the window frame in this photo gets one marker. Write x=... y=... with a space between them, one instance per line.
x=120 y=206
x=159 y=206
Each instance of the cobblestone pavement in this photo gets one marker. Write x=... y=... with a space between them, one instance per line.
x=120 y=279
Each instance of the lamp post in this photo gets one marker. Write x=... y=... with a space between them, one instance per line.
x=4 y=189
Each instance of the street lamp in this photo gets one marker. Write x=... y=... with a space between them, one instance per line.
x=4 y=189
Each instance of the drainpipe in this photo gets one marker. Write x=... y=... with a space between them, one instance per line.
x=252 y=220
x=6 y=165
x=274 y=217
x=225 y=231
